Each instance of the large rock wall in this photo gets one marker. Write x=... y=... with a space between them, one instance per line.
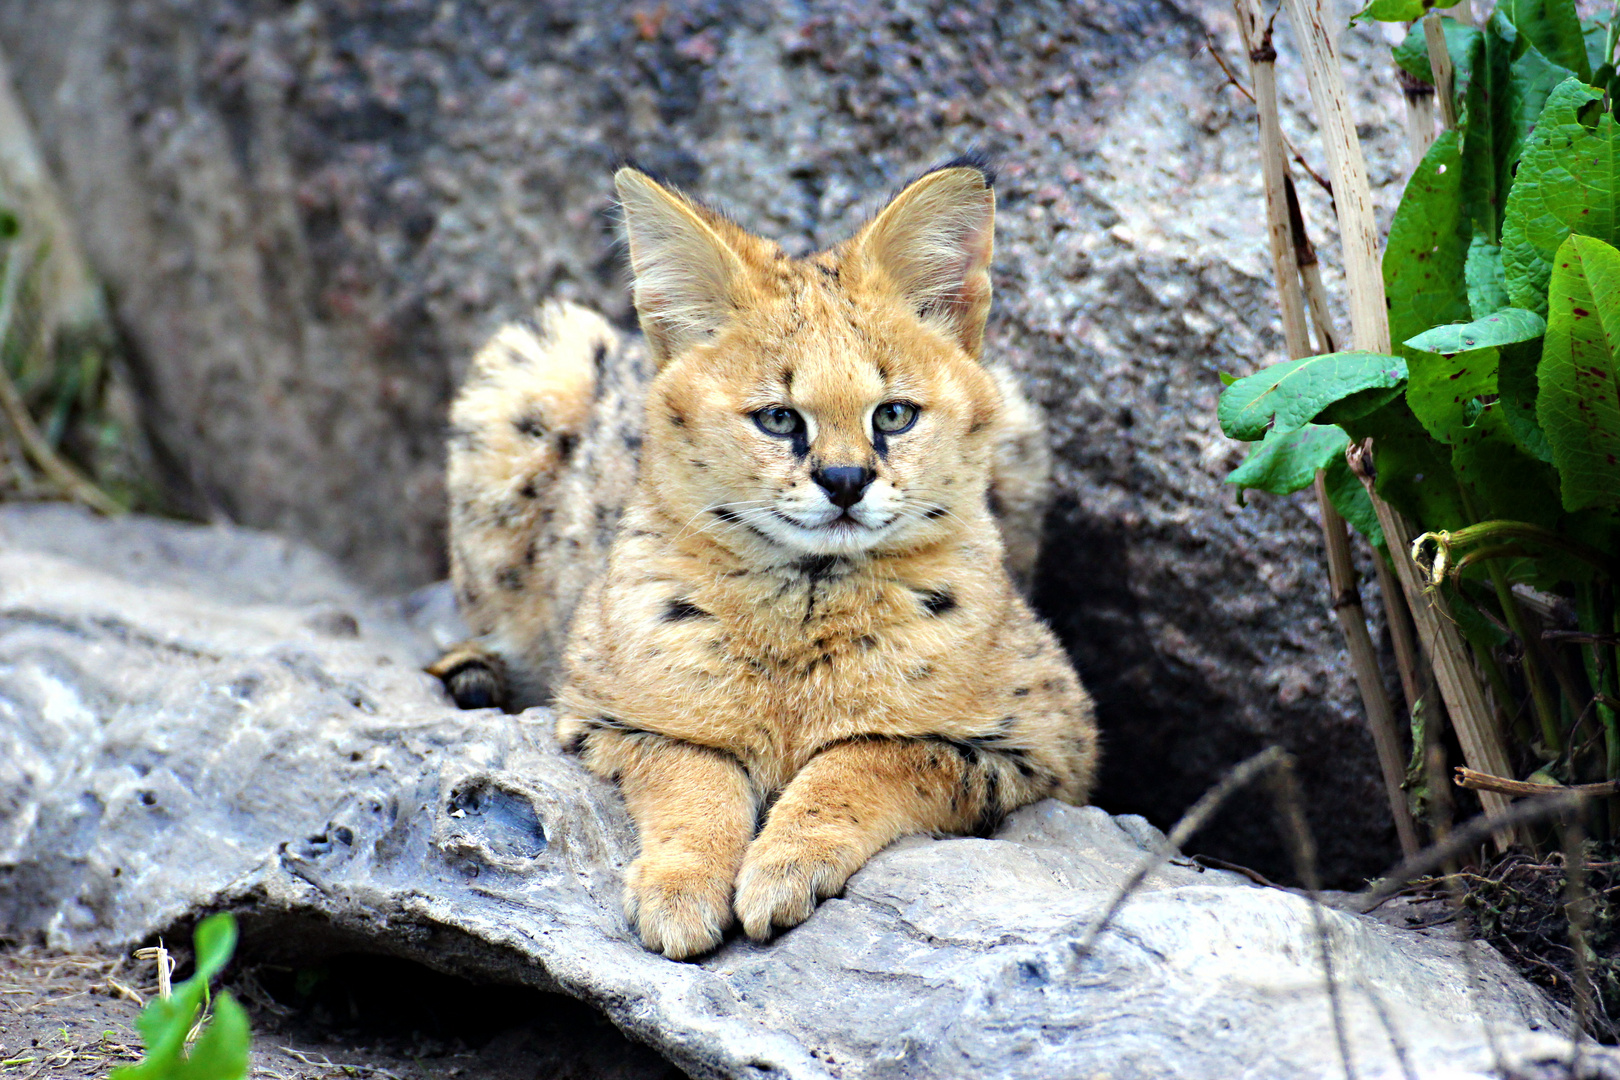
x=308 y=213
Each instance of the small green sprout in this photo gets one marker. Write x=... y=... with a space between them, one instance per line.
x=220 y=1051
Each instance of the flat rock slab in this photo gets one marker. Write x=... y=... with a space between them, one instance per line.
x=194 y=719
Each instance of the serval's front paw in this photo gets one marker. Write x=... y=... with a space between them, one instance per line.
x=678 y=904
x=474 y=677
x=781 y=881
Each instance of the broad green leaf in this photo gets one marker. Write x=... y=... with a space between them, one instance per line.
x=1578 y=406
x=1568 y=181
x=1553 y=28
x=1442 y=389
x=221 y=1051
x=1498 y=479
x=215 y=940
x=1290 y=395
x=1505 y=98
x=165 y=1023
x=1487 y=291
x=1286 y=461
x=1414 y=471
x=1501 y=328
x=1413 y=54
x=1391 y=11
x=1516 y=383
x=1596 y=35
x=1428 y=246
x=1349 y=496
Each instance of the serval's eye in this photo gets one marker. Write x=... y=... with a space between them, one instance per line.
x=779 y=420
x=893 y=417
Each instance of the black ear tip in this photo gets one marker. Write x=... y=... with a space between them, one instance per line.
x=972 y=159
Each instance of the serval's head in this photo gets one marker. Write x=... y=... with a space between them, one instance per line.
x=826 y=406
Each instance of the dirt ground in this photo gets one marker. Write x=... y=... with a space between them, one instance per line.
x=72 y=1017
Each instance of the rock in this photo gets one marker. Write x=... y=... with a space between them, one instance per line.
x=180 y=736
x=309 y=214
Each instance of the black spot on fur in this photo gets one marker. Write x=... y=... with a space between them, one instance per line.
x=681 y=609
x=1022 y=691
x=632 y=443
x=575 y=742
x=696 y=464
x=787 y=379
x=936 y=512
x=599 y=358
x=819 y=567
x=677 y=419
x=729 y=516
x=830 y=271
x=866 y=641
x=527 y=490
x=510 y=578
x=566 y=444
x=938 y=602
x=531 y=426
x=977 y=426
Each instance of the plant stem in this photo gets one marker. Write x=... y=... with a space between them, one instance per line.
x=1364 y=662
x=1352 y=194
x=1290 y=250
x=1369 y=321
x=1443 y=541
x=1273 y=172
x=1540 y=697
x=1471 y=716
x=1434 y=36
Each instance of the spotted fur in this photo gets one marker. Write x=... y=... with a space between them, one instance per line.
x=779 y=686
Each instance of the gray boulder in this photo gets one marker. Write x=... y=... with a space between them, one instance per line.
x=194 y=719
x=308 y=214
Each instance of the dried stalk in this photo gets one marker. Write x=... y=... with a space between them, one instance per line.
x=1291 y=253
x=1273 y=171
x=1400 y=633
x=63 y=475
x=1364 y=662
x=1310 y=272
x=1434 y=36
x=1352 y=195
x=1369 y=322
x=1448 y=656
x=1478 y=781
x=1419 y=113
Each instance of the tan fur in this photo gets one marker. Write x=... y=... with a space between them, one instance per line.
x=854 y=679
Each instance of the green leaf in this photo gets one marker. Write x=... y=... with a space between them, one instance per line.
x=1577 y=406
x=221 y=1051
x=1501 y=328
x=1596 y=36
x=1349 y=496
x=1290 y=395
x=1487 y=290
x=1226 y=380
x=1441 y=389
x=1413 y=53
x=1499 y=480
x=1391 y=11
x=1429 y=239
x=1516 y=383
x=1287 y=460
x=1553 y=28
x=1568 y=181
x=1505 y=98
x=215 y=940
x=1414 y=472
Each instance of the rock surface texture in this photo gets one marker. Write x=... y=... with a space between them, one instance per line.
x=309 y=213
x=194 y=719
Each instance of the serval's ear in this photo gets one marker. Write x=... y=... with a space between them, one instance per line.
x=931 y=246
x=687 y=274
